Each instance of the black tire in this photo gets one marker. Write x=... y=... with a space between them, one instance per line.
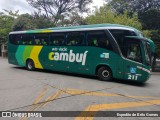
x=30 y=65
x=104 y=74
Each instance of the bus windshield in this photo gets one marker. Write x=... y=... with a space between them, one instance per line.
x=131 y=49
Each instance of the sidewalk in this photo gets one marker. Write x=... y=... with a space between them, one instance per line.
x=3 y=57
x=155 y=73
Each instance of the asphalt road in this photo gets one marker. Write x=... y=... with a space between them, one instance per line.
x=22 y=90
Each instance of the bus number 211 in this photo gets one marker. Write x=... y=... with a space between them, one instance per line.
x=132 y=77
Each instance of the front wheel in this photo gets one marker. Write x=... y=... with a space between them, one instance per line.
x=104 y=73
x=30 y=65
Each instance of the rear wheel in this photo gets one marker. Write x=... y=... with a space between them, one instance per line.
x=104 y=73
x=30 y=65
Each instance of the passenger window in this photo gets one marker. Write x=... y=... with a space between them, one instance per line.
x=57 y=39
x=27 y=39
x=134 y=52
x=99 y=39
x=15 y=39
x=75 y=38
x=41 y=39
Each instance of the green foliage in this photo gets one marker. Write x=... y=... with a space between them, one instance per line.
x=150 y=19
x=23 y=22
x=35 y=21
x=106 y=15
x=147 y=33
x=73 y=19
x=133 y=6
x=155 y=36
x=148 y=11
x=5 y=27
x=42 y=21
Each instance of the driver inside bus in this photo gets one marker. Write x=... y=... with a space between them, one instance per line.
x=132 y=52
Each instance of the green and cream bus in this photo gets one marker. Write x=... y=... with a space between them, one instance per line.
x=104 y=50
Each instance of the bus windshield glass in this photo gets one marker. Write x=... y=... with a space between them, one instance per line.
x=119 y=35
x=133 y=52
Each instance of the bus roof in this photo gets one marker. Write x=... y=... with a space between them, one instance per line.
x=77 y=28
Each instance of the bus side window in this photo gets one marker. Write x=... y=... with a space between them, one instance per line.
x=99 y=39
x=24 y=40
x=37 y=42
x=15 y=39
x=57 y=39
x=27 y=39
x=41 y=39
x=75 y=38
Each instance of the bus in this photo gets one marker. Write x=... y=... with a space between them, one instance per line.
x=104 y=50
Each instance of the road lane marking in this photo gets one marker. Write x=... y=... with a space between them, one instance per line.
x=74 y=92
x=39 y=98
x=111 y=106
x=82 y=92
x=141 y=97
x=90 y=93
x=51 y=98
x=40 y=104
x=48 y=100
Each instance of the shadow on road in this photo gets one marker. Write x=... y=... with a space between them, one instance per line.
x=126 y=82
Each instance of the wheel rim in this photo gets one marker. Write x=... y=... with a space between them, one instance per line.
x=30 y=65
x=105 y=73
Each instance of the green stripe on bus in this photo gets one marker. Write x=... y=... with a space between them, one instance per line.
x=27 y=53
x=19 y=54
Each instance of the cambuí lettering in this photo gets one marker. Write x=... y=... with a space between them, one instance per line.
x=70 y=57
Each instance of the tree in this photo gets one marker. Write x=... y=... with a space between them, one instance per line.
x=155 y=35
x=42 y=21
x=11 y=13
x=6 y=22
x=23 y=22
x=134 y=5
x=73 y=19
x=5 y=27
x=148 y=11
x=150 y=19
x=57 y=9
x=106 y=15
